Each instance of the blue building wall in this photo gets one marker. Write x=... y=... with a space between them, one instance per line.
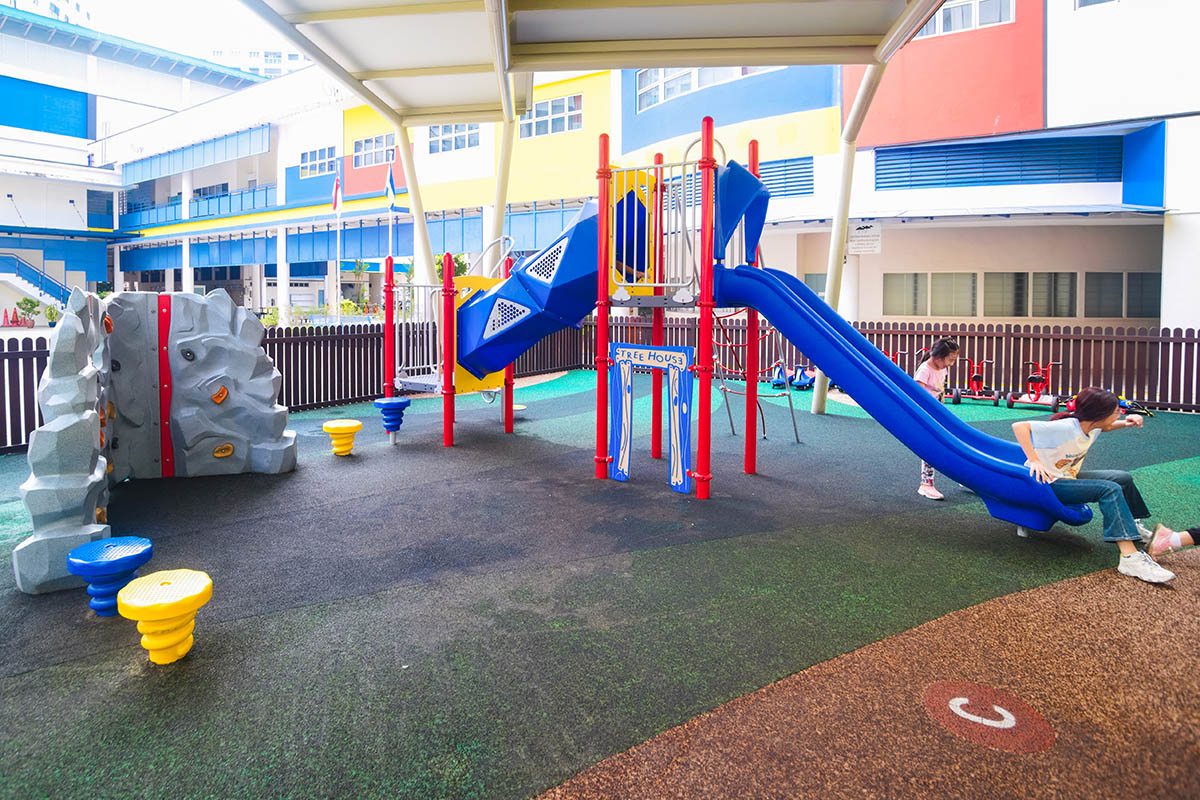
x=250 y=142
x=38 y=107
x=302 y=191
x=766 y=94
x=79 y=255
x=1144 y=165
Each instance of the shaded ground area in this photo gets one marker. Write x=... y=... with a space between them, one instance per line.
x=488 y=621
x=1109 y=663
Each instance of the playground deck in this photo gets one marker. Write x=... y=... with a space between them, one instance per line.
x=489 y=621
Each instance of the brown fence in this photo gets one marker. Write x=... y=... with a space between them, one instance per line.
x=1159 y=367
x=324 y=366
x=21 y=364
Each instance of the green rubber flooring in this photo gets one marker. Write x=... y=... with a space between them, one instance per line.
x=488 y=620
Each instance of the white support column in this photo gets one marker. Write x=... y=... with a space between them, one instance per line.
x=283 y=277
x=259 y=291
x=332 y=285
x=116 y=223
x=422 y=250
x=847 y=304
x=118 y=280
x=169 y=280
x=185 y=212
x=503 y=169
x=841 y=215
x=185 y=263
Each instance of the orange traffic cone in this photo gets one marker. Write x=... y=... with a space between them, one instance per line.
x=6 y=318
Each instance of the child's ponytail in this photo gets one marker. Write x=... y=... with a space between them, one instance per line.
x=1091 y=405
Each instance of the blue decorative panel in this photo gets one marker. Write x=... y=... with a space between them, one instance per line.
x=250 y=142
x=38 y=107
x=1144 y=166
x=301 y=191
x=789 y=177
x=677 y=363
x=1078 y=159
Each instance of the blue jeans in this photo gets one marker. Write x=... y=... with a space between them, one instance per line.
x=1120 y=501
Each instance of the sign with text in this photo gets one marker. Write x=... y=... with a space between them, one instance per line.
x=864 y=238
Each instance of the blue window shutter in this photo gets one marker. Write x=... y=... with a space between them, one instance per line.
x=790 y=177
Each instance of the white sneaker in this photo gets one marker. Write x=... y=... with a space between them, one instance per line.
x=1022 y=532
x=1143 y=567
x=1146 y=534
x=926 y=490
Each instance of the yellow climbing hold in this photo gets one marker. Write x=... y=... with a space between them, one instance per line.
x=341 y=434
x=223 y=450
x=102 y=516
x=165 y=605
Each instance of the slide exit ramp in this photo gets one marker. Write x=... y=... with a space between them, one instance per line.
x=993 y=468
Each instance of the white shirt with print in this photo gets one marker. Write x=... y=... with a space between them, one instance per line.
x=1061 y=445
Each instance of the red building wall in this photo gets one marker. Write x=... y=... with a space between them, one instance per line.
x=973 y=83
x=369 y=180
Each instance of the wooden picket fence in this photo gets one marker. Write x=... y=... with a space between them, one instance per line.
x=327 y=366
x=21 y=364
x=1159 y=367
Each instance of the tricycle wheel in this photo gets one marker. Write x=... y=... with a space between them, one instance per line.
x=1054 y=404
x=1009 y=402
x=956 y=396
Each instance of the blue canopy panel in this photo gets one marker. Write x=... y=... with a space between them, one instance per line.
x=554 y=289
x=739 y=194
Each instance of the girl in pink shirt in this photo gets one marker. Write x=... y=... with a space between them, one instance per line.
x=932 y=376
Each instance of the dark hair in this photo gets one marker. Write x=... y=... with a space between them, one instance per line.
x=1091 y=405
x=942 y=348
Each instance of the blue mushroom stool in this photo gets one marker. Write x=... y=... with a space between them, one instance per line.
x=107 y=565
x=392 y=409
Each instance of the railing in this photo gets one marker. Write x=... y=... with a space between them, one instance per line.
x=37 y=278
x=233 y=203
x=21 y=364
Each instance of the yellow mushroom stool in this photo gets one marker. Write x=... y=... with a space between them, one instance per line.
x=341 y=433
x=165 y=605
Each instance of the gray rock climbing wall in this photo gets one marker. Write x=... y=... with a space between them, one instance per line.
x=224 y=418
x=100 y=398
x=66 y=492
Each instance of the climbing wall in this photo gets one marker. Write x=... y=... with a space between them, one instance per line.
x=144 y=386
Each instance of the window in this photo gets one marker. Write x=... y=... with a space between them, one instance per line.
x=253 y=54
x=444 y=138
x=1144 y=294
x=375 y=150
x=272 y=57
x=317 y=162
x=816 y=282
x=905 y=294
x=211 y=191
x=1085 y=3
x=952 y=294
x=254 y=70
x=218 y=53
x=656 y=86
x=272 y=71
x=1054 y=294
x=293 y=56
x=1006 y=294
x=553 y=116
x=1102 y=294
x=965 y=15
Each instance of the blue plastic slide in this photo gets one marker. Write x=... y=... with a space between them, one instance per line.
x=552 y=290
x=993 y=468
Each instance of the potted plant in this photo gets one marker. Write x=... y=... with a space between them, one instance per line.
x=52 y=315
x=30 y=307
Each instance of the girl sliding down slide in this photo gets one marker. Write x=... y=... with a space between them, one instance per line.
x=1055 y=450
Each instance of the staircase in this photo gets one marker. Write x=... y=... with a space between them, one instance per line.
x=31 y=280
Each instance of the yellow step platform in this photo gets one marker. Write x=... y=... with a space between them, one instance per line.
x=164 y=604
x=341 y=434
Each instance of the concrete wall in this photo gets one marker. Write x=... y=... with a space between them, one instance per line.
x=37 y=203
x=965 y=248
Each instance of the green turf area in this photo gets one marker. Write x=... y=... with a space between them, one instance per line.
x=497 y=665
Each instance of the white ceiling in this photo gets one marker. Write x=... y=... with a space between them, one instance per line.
x=473 y=60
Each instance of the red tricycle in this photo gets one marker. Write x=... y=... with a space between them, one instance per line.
x=1037 y=388
x=976 y=388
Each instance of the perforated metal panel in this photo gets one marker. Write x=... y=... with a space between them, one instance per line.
x=547 y=264
x=504 y=314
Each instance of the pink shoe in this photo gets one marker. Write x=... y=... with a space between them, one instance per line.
x=1160 y=545
x=930 y=491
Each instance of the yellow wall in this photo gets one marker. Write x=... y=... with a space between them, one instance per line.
x=802 y=133
x=359 y=123
x=563 y=164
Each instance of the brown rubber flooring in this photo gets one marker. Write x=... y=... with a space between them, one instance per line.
x=1111 y=663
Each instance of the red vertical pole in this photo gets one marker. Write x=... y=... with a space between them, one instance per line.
x=708 y=169
x=166 y=445
x=448 y=351
x=508 y=371
x=603 y=175
x=751 y=457
x=389 y=328
x=658 y=315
